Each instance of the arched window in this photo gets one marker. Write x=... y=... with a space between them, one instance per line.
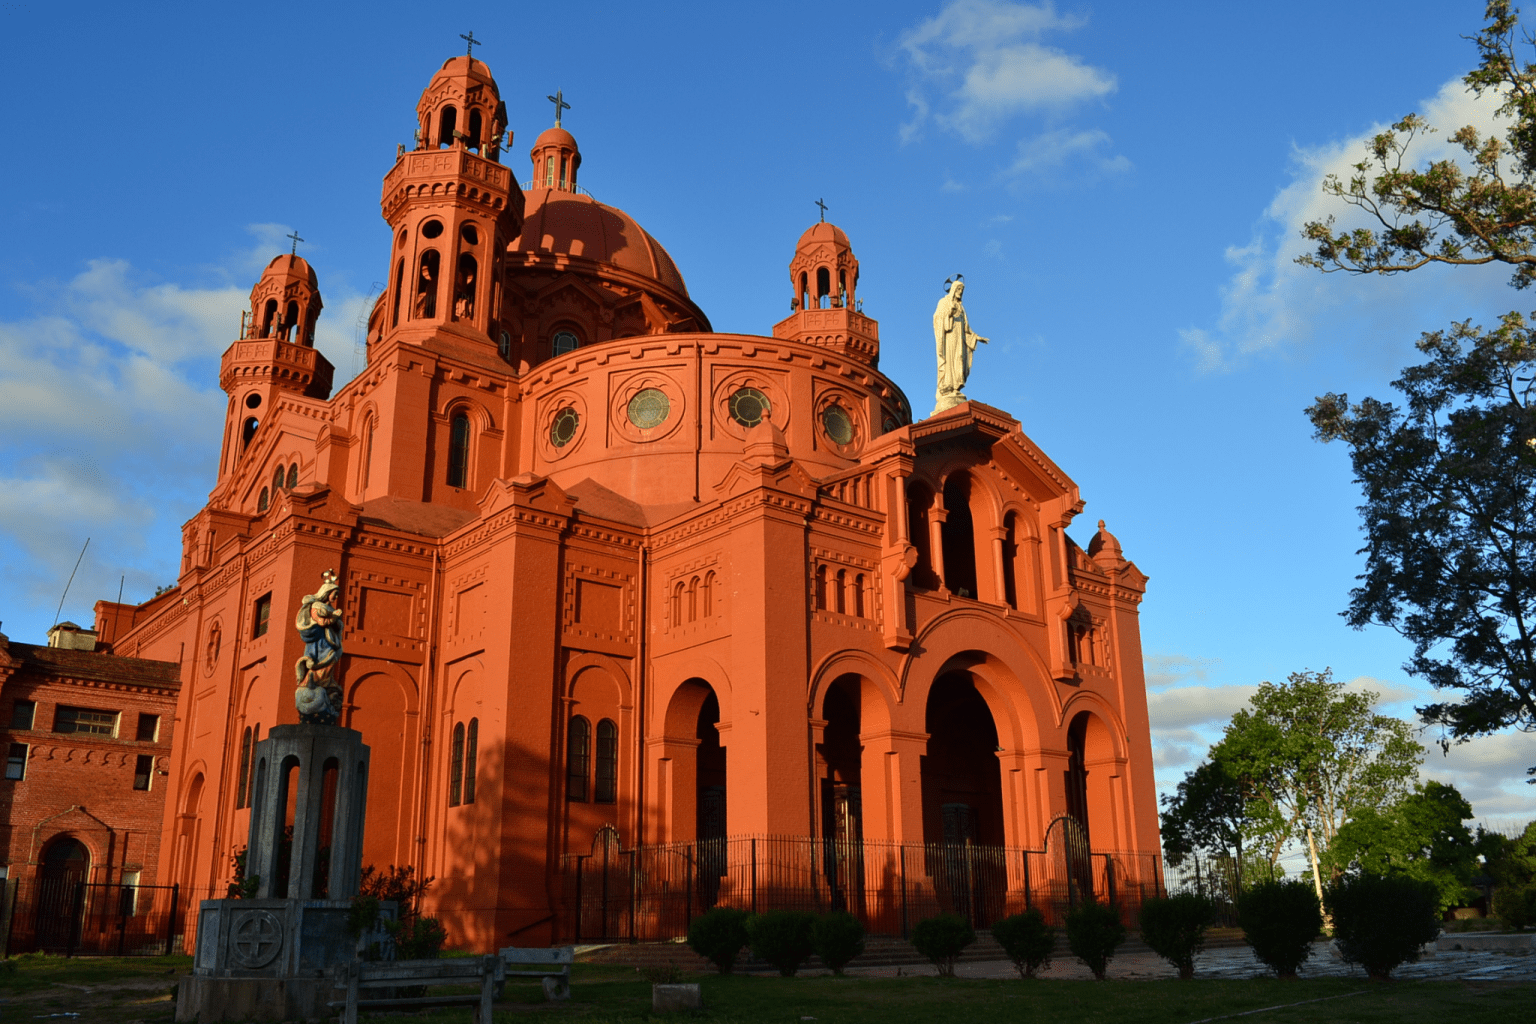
x=464 y=287
x=693 y=599
x=456 y=767
x=250 y=789
x=549 y=173
x=959 y=535
x=277 y=482
x=919 y=501
x=677 y=604
x=858 y=595
x=268 y=315
x=293 y=476
x=447 y=121
x=823 y=287
x=245 y=769
x=399 y=287
x=805 y=290
x=471 y=752
x=1010 y=555
x=563 y=342
x=607 y=789
x=291 y=319
x=263 y=501
x=821 y=588
x=426 y=286
x=248 y=431
x=709 y=594
x=368 y=449
x=842 y=591
x=473 y=142
x=458 y=451
x=578 y=756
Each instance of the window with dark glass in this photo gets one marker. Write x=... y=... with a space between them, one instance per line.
x=578 y=756
x=149 y=729
x=293 y=476
x=456 y=767
x=16 y=762
x=245 y=769
x=263 y=501
x=85 y=721
x=22 y=714
x=458 y=451
x=607 y=789
x=263 y=616
x=143 y=768
x=471 y=743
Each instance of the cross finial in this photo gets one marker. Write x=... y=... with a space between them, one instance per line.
x=296 y=240
x=558 y=99
x=823 y=206
x=471 y=42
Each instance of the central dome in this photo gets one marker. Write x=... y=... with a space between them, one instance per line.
x=573 y=224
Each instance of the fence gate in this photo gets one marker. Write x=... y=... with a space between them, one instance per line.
x=604 y=890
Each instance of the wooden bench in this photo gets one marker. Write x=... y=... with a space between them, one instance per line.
x=551 y=965
x=360 y=975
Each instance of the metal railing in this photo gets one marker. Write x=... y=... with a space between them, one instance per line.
x=67 y=917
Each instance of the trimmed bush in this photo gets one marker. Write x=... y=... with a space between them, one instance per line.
x=941 y=939
x=718 y=936
x=1093 y=932
x=1280 y=920
x=1380 y=922
x=837 y=937
x=782 y=938
x=1515 y=905
x=1175 y=928
x=1027 y=940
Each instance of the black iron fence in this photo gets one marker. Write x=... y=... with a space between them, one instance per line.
x=65 y=917
x=653 y=892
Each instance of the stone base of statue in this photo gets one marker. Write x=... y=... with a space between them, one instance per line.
x=269 y=958
x=946 y=400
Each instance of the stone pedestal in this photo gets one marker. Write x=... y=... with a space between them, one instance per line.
x=269 y=958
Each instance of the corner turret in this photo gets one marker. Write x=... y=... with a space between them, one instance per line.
x=825 y=277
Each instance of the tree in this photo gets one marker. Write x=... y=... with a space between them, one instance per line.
x=1444 y=212
x=1311 y=755
x=1450 y=520
x=1206 y=815
x=1421 y=836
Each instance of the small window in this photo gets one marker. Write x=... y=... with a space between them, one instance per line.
x=248 y=431
x=263 y=616
x=649 y=408
x=578 y=754
x=263 y=501
x=563 y=342
x=456 y=767
x=749 y=406
x=16 y=763
x=607 y=789
x=293 y=476
x=562 y=430
x=504 y=346
x=129 y=904
x=458 y=451
x=22 y=714
x=85 y=721
x=838 y=424
x=143 y=769
x=471 y=743
x=245 y=769
x=149 y=729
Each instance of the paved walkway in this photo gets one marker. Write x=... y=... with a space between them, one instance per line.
x=1240 y=963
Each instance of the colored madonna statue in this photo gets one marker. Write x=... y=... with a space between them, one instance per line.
x=955 y=343
x=318 y=697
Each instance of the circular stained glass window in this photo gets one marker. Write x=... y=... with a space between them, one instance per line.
x=563 y=430
x=563 y=342
x=838 y=424
x=649 y=408
x=749 y=406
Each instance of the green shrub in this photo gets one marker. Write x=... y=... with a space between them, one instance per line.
x=421 y=939
x=1280 y=920
x=1515 y=905
x=782 y=938
x=837 y=937
x=1093 y=932
x=1027 y=940
x=718 y=936
x=1380 y=922
x=1175 y=928
x=671 y=974
x=941 y=939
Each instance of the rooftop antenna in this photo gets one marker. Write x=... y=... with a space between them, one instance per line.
x=72 y=572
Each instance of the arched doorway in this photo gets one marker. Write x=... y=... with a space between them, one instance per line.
x=64 y=870
x=963 y=800
x=709 y=797
x=959 y=534
x=841 y=794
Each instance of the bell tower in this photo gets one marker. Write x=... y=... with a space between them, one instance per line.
x=275 y=353
x=825 y=277
x=452 y=209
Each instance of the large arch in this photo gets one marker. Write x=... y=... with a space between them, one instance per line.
x=871 y=706
x=690 y=764
x=1096 y=780
x=383 y=707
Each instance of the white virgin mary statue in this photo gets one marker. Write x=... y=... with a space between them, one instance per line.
x=955 y=343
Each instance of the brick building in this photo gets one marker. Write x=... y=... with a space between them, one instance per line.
x=614 y=582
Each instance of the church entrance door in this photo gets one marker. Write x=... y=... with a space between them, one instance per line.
x=61 y=895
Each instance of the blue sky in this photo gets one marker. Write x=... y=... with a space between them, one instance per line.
x=1122 y=185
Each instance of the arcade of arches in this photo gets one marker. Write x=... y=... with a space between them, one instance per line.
x=612 y=579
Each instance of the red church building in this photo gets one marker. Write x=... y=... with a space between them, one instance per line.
x=615 y=582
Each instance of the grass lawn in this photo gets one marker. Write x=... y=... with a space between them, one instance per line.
x=115 y=991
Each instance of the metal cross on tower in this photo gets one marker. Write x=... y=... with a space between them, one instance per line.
x=823 y=210
x=471 y=42
x=296 y=240
x=558 y=99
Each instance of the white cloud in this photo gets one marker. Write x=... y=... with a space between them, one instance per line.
x=1270 y=302
x=1186 y=706
x=1163 y=670
x=979 y=63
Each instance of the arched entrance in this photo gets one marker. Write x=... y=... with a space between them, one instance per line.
x=709 y=796
x=963 y=800
x=65 y=868
x=840 y=757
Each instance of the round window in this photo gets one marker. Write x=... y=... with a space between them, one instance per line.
x=563 y=342
x=749 y=406
x=563 y=429
x=649 y=408
x=469 y=234
x=252 y=400
x=432 y=228
x=838 y=424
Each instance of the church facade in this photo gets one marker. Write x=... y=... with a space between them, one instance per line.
x=609 y=575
